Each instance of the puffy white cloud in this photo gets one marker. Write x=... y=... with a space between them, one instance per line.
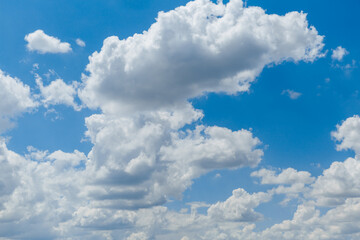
x=63 y=160
x=54 y=182
x=287 y=176
x=305 y=221
x=343 y=221
x=291 y=94
x=198 y=48
x=42 y=43
x=341 y=180
x=298 y=181
x=143 y=161
x=337 y=188
x=214 y=148
x=337 y=183
x=80 y=42
x=58 y=92
x=15 y=98
x=161 y=223
x=239 y=207
x=9 y=177
x=102 y=219
x=36 y=195
x=36 y=154
x=339 y=53
x=348 y=134
x=338 y=223
x=42 y=192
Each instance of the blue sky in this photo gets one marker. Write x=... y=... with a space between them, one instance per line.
x=210 y=121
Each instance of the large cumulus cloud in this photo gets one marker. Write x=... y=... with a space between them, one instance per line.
x=198 y=48
x=143 y=161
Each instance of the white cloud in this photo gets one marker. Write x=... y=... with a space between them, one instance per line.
x=343 y=221
x=36 y=154
x=233 y=218
x=63 y=160
x=214 y=148
x=42 y=43
x=338 y=183
x=9 y=177
x=339 y=53
x=58 y=92
x=15 y=99
x=291 y=93
x=38 y=195
x=239 y=207
x=142 y=161
x=338 y=188
x=198 y=48
x=80 y=42
x=342 y=179
x=302 y=226
x=348 y=134
x=287 y=176
x=338 y=223
x=292 y=183
x=47 y=193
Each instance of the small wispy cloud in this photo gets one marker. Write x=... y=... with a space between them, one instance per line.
x=291 y=94
x=218 y=175
x=339 y=53
x=80 y=42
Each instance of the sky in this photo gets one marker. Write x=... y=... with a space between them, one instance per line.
x=184 y=120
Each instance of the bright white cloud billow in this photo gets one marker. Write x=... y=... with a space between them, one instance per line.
x=15 y=98
x=138 y=162
x=42 y=43
x=287 y=176
x=338 y=183
x=38 y=195
x=341 y=180
x=198 y=48
x=348 y=134
x=239 y=207
x=58 y=92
